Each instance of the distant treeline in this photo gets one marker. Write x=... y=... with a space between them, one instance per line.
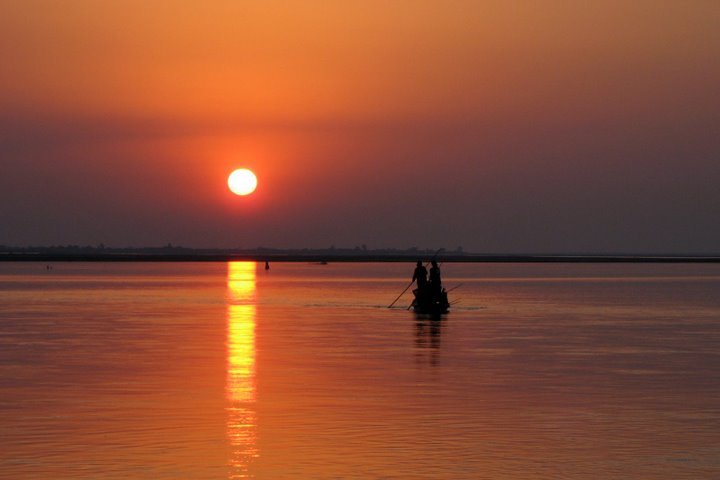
x=173 y=253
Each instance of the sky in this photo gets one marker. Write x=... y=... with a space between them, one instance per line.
x=537 y=126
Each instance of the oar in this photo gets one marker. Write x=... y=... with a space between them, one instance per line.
x=456 y=286
x=403 y=292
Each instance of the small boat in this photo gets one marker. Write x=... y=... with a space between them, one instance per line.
x=429 y=302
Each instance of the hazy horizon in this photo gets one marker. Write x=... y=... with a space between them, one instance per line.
x=340 y=250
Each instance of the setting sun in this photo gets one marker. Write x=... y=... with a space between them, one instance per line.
x=242 y=182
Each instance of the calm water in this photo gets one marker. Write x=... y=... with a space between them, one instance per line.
x=205 y=371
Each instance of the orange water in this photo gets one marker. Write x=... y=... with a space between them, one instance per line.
x=204 y=371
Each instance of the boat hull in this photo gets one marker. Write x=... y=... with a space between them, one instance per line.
x=431 y=303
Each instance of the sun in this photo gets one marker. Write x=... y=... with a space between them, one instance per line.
x=242 y=182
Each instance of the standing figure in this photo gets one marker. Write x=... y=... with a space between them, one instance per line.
x=435 y=280
x=420 y=276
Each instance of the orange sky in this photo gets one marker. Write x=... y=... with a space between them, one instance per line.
x=520 y=125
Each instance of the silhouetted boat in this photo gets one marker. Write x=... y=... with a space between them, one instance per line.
x=426 y=302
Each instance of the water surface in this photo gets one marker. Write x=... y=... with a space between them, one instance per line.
x=196 y=371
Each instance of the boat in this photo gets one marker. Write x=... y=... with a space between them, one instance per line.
x=428 y=302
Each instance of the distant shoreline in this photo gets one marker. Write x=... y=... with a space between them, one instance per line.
x=342 y=258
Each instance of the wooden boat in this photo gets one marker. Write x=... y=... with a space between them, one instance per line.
x=428 y=302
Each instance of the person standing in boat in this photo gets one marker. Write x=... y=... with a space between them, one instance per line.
x=435 y=280
x=420 y=275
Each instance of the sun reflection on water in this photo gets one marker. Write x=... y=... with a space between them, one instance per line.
x=240 y=389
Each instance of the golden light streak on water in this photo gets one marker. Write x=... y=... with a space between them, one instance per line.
x=240 y=389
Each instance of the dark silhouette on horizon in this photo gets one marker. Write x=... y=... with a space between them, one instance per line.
x=175 y=253
x=430 y=297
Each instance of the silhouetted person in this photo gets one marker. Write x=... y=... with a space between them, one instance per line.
x=267 y=265
x=420 y=275
x=435 y=280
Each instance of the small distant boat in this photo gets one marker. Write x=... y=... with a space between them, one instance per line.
x=427 y=302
